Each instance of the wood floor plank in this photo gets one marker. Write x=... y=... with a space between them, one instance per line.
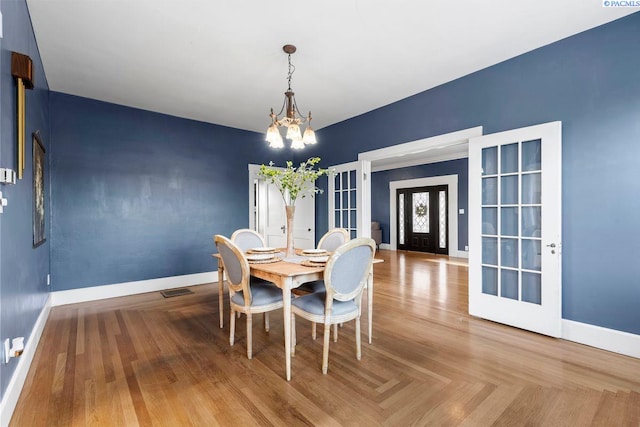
x=153 y=361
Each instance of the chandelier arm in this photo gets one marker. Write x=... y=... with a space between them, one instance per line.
x=303 y=118
x=281 y=109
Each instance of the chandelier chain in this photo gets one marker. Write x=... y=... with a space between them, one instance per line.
x=292 y=69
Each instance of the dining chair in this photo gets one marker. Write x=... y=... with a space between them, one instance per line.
x=246 y=238
x=333 y=239
x=345 y=276
x=330 y=241
x=245 y=296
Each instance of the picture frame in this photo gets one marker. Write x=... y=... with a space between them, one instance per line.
x=38 y=191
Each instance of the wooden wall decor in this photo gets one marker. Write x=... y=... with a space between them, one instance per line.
x=22 y=70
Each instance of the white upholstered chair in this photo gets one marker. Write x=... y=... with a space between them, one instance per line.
x=244 y=296
x=333 y=239
x=245 y=239
x=345 y=276
x=330 y=241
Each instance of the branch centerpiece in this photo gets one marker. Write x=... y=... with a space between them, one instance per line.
x=293 y=183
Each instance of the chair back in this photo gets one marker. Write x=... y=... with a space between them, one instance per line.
x=245 y=239
x=333 y=239
x=348 y=269
x=235 y=265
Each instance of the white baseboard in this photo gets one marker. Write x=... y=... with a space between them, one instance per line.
x=95 y=293
x=457 y=254
x=10 y=398
x=603 y=338
x=461 y=254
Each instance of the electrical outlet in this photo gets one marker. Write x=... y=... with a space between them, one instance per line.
x=466 y=248
x=7 y=349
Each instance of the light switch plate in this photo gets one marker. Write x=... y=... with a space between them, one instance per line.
x=461 y=211
x=7 y=349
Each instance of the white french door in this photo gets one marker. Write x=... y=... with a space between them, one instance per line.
x=515 y=230
x=350 y=198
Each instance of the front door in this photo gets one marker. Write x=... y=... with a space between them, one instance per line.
x=422 y=219
x=515 y=228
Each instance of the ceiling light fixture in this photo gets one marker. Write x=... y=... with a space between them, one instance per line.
x=290 y=120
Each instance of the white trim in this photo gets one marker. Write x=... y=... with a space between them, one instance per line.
x=363 y=198
x=95 y=293
x=253 y=175
x=408 y=162
x=417 y=152
x=602 y=338
x=452 y=182
x=11 y=395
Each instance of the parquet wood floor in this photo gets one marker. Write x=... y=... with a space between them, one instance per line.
x=146 y=360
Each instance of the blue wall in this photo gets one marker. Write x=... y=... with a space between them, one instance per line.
x=23 y=269
x=590 y=83
x=138 y=195
x=380 y=192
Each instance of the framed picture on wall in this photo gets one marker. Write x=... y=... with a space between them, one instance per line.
x=38 y=190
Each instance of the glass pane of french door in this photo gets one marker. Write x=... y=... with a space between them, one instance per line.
x=511 y=221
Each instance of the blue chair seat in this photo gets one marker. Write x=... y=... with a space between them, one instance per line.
x=315 y=286
x=314 y=304
x=263 y=293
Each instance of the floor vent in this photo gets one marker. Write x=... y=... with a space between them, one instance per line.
x=176 y=292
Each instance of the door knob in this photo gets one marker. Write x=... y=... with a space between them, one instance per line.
x=552 y=245
x=282 y=228
x=308 y=229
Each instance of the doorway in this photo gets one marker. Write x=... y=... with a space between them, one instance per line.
x=422 y=214
x=267 y=214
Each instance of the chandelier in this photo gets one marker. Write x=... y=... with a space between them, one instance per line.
x=290 y=120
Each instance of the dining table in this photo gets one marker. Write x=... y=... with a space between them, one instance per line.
x=289 y=273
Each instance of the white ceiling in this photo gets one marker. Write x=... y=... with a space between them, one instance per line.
x=222 y=62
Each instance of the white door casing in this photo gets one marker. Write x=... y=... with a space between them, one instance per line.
x=515 y=228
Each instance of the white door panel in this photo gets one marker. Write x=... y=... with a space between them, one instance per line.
x=275 y=219
x=515 y=228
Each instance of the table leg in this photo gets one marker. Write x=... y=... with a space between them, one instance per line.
x=221 y=292
x=286 y=299
x=370 y=303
